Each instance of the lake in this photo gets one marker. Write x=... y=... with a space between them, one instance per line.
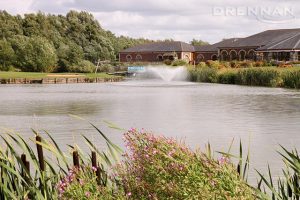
x=195 y=112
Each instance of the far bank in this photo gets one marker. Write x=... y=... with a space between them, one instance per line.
x=55 y=78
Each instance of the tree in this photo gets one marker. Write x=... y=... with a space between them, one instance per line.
x=73 y=38
x=35 y=54
x=7 y=54
x=196 y=42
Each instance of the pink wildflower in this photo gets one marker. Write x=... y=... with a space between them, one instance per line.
x=87 y=194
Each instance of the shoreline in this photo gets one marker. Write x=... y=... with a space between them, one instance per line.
x=59 y=80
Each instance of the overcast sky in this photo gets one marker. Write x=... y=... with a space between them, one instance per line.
x=209 y=20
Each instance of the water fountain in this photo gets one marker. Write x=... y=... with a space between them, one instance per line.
x=164 y=73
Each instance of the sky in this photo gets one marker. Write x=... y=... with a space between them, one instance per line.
x=208 y=20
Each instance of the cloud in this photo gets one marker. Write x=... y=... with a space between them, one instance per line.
x=177 y=19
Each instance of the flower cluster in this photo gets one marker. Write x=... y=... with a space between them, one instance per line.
x=66 y=181
x=156 y=167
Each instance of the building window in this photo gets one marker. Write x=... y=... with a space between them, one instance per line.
x=160 y=57
x=200 y=58
x=242 y=55
x=233 y=55
x=128 y=58
x=138 y=57
x=214 y=57
x=187 y=58
x=224 y=55
x=251 y=55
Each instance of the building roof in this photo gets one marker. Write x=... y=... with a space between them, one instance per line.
x=290 y=43
x=214 y=47
x=265 y=38
x=161 y=47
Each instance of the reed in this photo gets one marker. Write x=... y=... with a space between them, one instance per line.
x=26 y=174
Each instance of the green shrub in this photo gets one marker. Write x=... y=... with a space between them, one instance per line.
x=161 y=168
x=214 y=64
x=226 y=64
x=235 y=64
x=227 y=77
x=9 y=68
x=205 y=74
x=167 y=62
x=259 y=77
x=246 y=64
x=201 y=64
x=84 y=66
x=81 y=183
x=179 y=62
x=291 y=78
x=107 y=68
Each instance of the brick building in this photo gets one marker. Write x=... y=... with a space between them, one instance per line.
x=158 y=52
x=279 y=45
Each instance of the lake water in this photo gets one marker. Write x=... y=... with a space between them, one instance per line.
x=196 y=112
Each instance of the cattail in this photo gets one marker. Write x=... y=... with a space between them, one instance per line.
x=40 y=153
x=94 y=159
x=76 y=159
x=239 y=169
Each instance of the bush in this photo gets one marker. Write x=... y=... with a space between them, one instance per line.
x=34 y=54
x=9 y=68
x=227 y=77
x=107 y=68
x=205 y=74
x=201 y=64
x=258 y=64
x=291 y=78
x=246 y=64
x=214 y=64
x=179 y=62
x=84 y=66
x=161 y=168
x=81 y=183
x=259 y=77
x=167 y=62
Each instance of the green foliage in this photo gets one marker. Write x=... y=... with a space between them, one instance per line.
x=82 y=184
x=7 y=54
x=196 y=42
x=214 y=64
x=18 y=183
x=161 y=168
x=34 y=54
x=75 y=37
x=291 y=78
x=168 y=62
x=287 y=186
x=227 y=77
x=270 y=77
x=201 y=64
x=83 y=66
x=257 y=76
x=204 y=74
x=179 y=62
x=109 y=68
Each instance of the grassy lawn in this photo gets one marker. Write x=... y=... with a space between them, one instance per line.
x=32 y=75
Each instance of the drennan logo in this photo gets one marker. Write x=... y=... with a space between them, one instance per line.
x=264 y=14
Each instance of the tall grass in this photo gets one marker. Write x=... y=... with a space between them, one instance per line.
x=256 y=76
x=20 y=181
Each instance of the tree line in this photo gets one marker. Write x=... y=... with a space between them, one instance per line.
x=46 y=43
x=58 y=43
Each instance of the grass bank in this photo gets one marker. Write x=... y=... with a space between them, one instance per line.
x=32 y=75
x=253 y=76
